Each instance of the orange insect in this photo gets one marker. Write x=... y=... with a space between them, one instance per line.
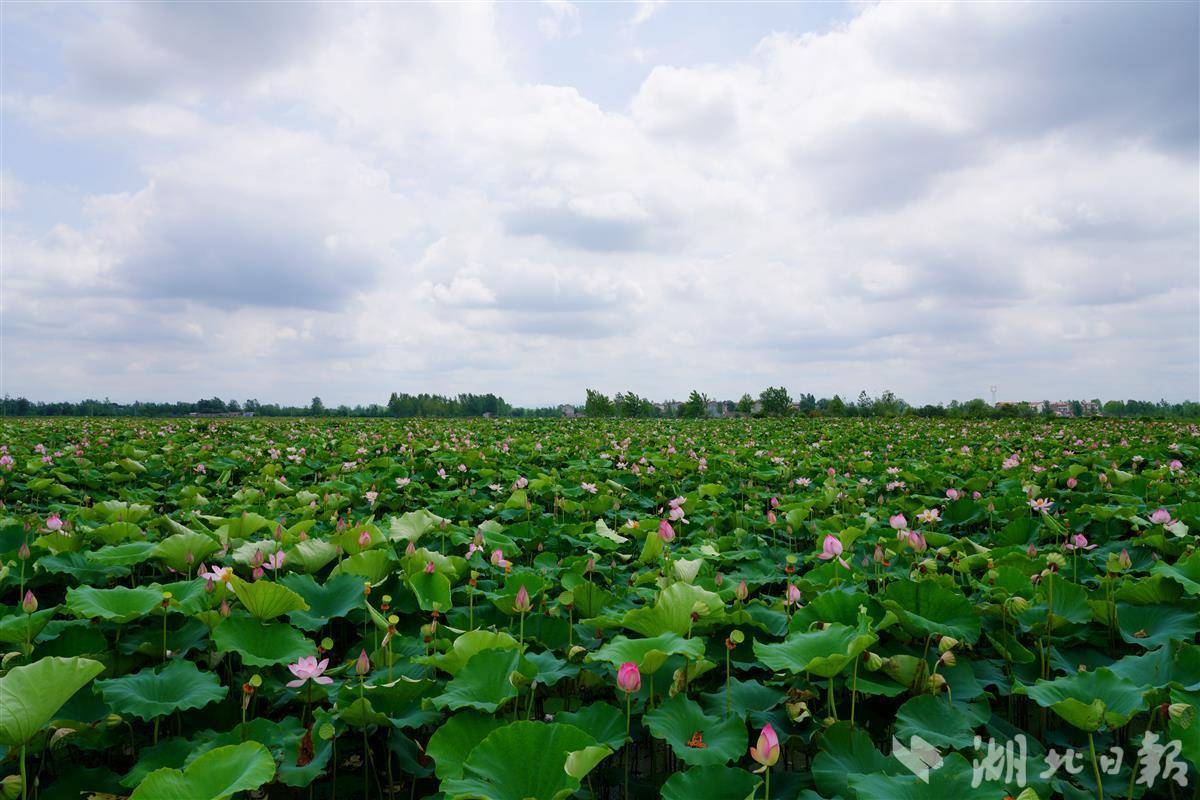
x=697 y=741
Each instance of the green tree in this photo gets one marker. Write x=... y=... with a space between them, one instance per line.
x=745 y=405
x=775 y=401
x=695 y=407
x=598 y=405
x=316 y=407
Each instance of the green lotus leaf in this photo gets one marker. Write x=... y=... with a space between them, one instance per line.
x=267 y=599
x=930 y=608
x=374 y=565
x=31 y=694
x=649 y=654
x=679 y=719
x=310 y=555
x=713 y=782
x=745 y=698
x=118 y=604
x=456 y=738
x=153 y=692
x=845 y=751
x=259 y=644
x=468 y=644
x=605 y=723
x=412 y=526
x=182 y=551
x=432 y=590
x=937 y=721
x=526 y=761
x=122 y=555
x=218 y=773
x=672 y=611
x=337 y=597
x=17 y=626
x=1185 y=572
x=1154 y=626
x=824 y=652
x=484 y=683
x=1090 y=700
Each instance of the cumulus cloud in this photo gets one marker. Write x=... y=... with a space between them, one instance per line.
x=347 y=200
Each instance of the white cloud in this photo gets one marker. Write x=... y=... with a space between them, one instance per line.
x=561 y=21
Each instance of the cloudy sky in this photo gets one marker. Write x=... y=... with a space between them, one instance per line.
x=277 y=201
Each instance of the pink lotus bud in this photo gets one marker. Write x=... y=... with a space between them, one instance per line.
x=1072 y=483
x=629 y=678
x=29 y=603
x=363 y=664
x=429 y=568
x=766 y=750
x=898 y=522
x=665 y=531
x=23 y=552
x=793 y=594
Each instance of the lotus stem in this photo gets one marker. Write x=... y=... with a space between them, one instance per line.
x=1095 y=767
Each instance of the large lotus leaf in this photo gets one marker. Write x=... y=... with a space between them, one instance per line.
x=336 y=598
x=1154 y=626
x=218 y=773
x=679 y=719
x=930 y=608
x=151 y=693
x=1090 y=700
x=267 y=599
x=468 y=644
x=526 y=761
x=115 y=532
x=1187 y=732
x=412 y=526
x=261 y=644
x=432 y=590
x=937 y=720
x=649 y=654
x=120 y=511
x=745 y=698
x=456 y=738
x=672 y=611
x=30 y=695
x=183 y=550
x=952 y=779
x=837 y=606
x=118 y=604
x=1185 y=572
x=846 y=751
x=310 y=555
x=484 y=683
x=824 y=652
x=243 y=526
x=18 y=626
x=1066 y=601
x=374 y=565
x=122 y=555
x=713 y=782
x=604 y=722
x=1179 y=665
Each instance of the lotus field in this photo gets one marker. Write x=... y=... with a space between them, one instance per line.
x=837 y=608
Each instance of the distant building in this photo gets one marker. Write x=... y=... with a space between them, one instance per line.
x=567 y=410
x=1063 y=408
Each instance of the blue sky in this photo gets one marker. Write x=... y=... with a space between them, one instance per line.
x=280 y=200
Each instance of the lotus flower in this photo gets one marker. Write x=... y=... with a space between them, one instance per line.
x=1161 y=517
x=766 y=751
x=916 y=540
x=275 y=560
x=629 y=678
x=522 y=603
x=1072 y=483
x=308 y=668
x=429 y=568
x=665 y=531
x=1041 y=504
x=216 y=575
x=362 y=665
x=831 y=548
x=54 y=522
x=793 y=594
x=1080 y=542
x=499 y=560
x=898 y=522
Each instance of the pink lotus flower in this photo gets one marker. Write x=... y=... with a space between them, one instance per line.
x=774 y=502
x=275 y=560
x=1072 y=483
x=793 y=594
x=499 y=560
x=916 y=540
x=953 y=494
x=629 y=678
x=770 y=517
x=364 y=538
x=54 y=522
x=831 y=548
x=1161 y=517
x=308 y=668
x=522 y=602
x=766 y=750
x=1041 y=504
x=665 y=531
x=898 y=522
x=216 y=575
x=1080 y=542
x=429 y=568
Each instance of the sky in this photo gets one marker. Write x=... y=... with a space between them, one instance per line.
x=281 y=200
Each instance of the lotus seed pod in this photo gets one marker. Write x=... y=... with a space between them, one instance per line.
x=947 y=643
x=875 y=662
x=1056 y=559
x=1182 y=714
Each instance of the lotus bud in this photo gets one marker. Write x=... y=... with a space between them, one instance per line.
x=363 y=664
x=225 y=608
x=429 y=568
x=742 y=591
x=522 y=602
x=629 y=678
x=23 y=552
x=766 y=750
x=718 y=579
x=113 y=721
x=29 y=603
x=1124 y=561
